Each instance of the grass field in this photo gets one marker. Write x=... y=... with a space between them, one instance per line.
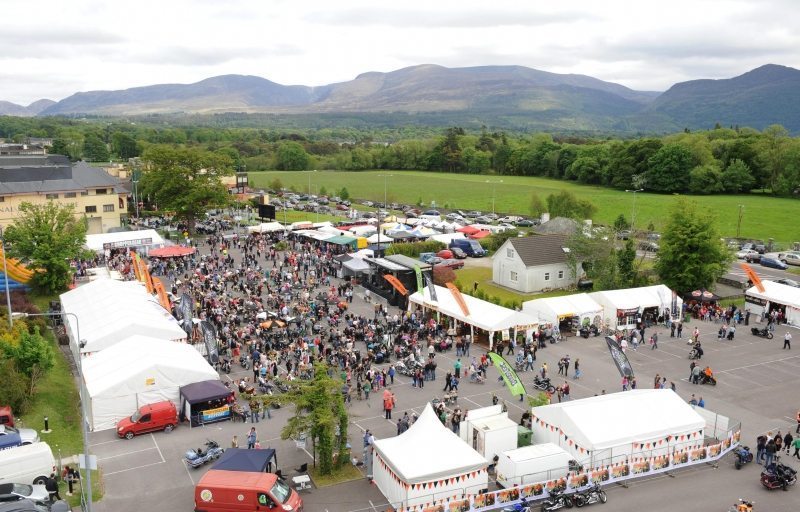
x=467 y=276
x=764 y=217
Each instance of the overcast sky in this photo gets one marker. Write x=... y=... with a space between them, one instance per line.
x=54 y=48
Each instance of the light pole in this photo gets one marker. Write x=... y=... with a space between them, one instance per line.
x=84 y=415
x=385 y=198
x=309 y=181
x=633 y=214
x=5 y=271
x=494 y=189
x=738 y=224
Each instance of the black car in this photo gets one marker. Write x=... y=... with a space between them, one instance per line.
x=788 y=282
x=525 y=223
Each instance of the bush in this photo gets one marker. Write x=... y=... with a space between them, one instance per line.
x=14 y=391
x=414 y=249
x=443 y=275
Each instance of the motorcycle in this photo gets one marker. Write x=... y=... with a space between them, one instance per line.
x=543 y=384
x=764 y=333
x=522 y=506
x=707 y=379
x=778 y=475
x=696 y=352
x=592 y=494
x=587 y=331
x=742 y=456
x=742 y=506
x=244 y=361
x=196 y=458
x=225 y=365
x=556 y=501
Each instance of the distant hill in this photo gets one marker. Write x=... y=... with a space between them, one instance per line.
x=12 y=109
x=766 y=95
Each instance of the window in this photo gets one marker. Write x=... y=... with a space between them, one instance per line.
x=2 y=199
x=101 y=191
x=514 y=276
x=108 y=208
x=547 y=276
x=69 y=195
x=144 y=419
x=561 y=274
x=51 y=196
x=509 y=252
x=91 y=209
x=84 y=192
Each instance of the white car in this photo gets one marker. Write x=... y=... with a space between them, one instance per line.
x=511 y=219
x=26 y=435
x=743 y=255
x=16 y=492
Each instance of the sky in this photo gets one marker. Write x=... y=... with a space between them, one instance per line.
x=54 y=48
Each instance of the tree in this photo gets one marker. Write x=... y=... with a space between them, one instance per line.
x=536 y=207
x=59 y=147
x=443 y=275
x=46 y=237
x=323 y=191
x=625 y=259
x=276 y=185
x=187 y=181
x=621 y=223
x=124 y=145
x=33 y=356
x=705 y=179
x=344 y=194
x=669 y=169
x=94 y=149
x=291 y=156
x=737 y=177
x=15 y=391
x=691 y=255
x=567 y=204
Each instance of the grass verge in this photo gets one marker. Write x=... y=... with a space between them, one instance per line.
x=467 y=276
x=346 y=473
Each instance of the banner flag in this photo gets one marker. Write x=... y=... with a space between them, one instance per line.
x=418 y=272
x=210 y=339
x=510 y=377
x=186 y=309
x=459 y=298
x=431 y=288
x=396 y=284
x=751 y=274
x=619 y=357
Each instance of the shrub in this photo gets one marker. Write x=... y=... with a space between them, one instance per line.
x=414 y=249
x=443 y=275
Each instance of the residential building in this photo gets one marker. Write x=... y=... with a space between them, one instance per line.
x=534 y=264
x=15 y=149
x=37 y=179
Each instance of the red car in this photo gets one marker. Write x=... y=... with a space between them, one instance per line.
x=445 y=254
x=451 y=264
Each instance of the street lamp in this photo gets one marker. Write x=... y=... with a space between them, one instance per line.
x=385 y=198
x=633 y=214
x=494 y=188
x=84 y=415
x=738 y=224
x=5 y=271
x=309 y=181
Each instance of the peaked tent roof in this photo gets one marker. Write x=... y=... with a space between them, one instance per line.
x=411 y=453
x=777 y=292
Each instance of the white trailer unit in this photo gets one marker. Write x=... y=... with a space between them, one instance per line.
x=529 y=464
x=492 y=436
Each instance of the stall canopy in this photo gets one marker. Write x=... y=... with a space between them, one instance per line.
x=343 y=240
x=482 y=314
x=139 y=371
x=658 y=296
x=402 y=478
x=109 y=311
x=204 y=391
x=775 y=293
x=266 y=227
x=171 y=251
x=144 y=238
x=254 y=461
x=554 y=309
x=606 y=426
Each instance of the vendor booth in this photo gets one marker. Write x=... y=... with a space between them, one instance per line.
x=569 y=312
x=775 y=296
x=142 y=240
x=266 y=227
x=138 y=371
x=493 y=435
x=205 y=402
x=608 y=429
x=425 y=463
x=625 y=309
x=251 y=461
x=530 y=464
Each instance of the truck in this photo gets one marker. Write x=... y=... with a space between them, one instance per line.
x=230 y=491
x=470 y=247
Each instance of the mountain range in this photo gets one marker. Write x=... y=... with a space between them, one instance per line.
x=511 y=96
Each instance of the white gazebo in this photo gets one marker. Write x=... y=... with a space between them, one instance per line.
x=553 y=310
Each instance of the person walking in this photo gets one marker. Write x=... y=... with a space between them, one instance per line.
x=796 y=445
x=565 y=391
x=788 y=439
x=578 y=371
x=235 y=442
x=761 y=444
x=654 y=341
x=624 y=383
x=787 y=340
x=679 y=330
x=252 y=437
x=457 y=368
x=388 y=404
x=769 y=453
x=52 y=488
x=254 y=409
x=695 y=336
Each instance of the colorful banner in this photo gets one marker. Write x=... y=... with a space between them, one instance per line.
x=418 y=272
x=510 y=376
x=186 y=312
x=751 y=274
x=431 y=287
x=396 y=284
x=216 y=414
x=210 y=339
x=458 y=297
x=619 y=357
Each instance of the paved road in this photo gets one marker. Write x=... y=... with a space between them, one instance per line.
x=758 y=384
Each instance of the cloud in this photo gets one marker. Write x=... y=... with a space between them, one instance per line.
x=52 y=36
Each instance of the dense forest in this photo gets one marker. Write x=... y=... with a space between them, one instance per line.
x=722 y=160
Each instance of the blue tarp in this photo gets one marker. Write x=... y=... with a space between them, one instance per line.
x=239 y=459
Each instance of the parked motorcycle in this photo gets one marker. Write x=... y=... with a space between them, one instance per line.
x=742 y=456
x=743 y=506
x=778 y=475
x=556 y=501
x=592 y=494
x=225 y=365
x=764 y=333
x=522 y=506
x=696 y=353
x=590 y=330
x=707 y=379
x=196 y=458
x=543 y=384
x=244 y=361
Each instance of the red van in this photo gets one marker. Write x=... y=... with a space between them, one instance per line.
x=231 y=491
x=157 y=416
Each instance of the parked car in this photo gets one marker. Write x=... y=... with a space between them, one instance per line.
x=525 y=223
x=11 y=492
x=26 y=435
x=510 y=219
x=426 y=257
x=648 y=246
x=470 y=247
x=483 y=219
x=761 y=248
x=445 y=254
x=451 y=264
x=149 y=418
x=773 y=263
x=790 y=258
x=472 y=215
x=624 y=234
x=492 y=216
x=788 y=282
x=453 y=217
x=752 y=257
x=342 y=207
x=743 y=254
x=368 y=204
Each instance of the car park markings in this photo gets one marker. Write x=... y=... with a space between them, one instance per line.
x=132 y=469
x=129 y=453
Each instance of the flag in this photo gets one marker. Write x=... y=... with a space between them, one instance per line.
x=186 y=309
x=210 y=339
x=418 y=271
x=431 y=288
x=510 y=377
x=458 y=297
x=619 y=357
x=396 y=284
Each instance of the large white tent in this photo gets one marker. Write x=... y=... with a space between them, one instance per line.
x=266 y=227
x=774 y=295
x=621 y=308
x=553 y=310
x=606 y=428
x=425 y=463
x=481 y=314
x=142 y=239
x=139 y=371
x=109 y=311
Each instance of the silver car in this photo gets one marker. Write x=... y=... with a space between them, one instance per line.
x=26 y=435
x=15 y=493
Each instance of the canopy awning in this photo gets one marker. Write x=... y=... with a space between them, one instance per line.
x=172 y=251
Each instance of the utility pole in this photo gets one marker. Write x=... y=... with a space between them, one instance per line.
x=633 y=214
x=739 y=223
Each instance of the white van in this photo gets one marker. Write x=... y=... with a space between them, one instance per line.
x=27 y=464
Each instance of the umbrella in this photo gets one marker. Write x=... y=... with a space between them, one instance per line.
x=703 y=295
x=173 y=251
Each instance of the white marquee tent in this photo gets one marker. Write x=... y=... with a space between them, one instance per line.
x=606 y=428
x=139 y=371
x=554 y=309
x=774 y=294
x=266 y=227
x=622 y=307
x=142 y=239
x=109 y=311
x=425 y=463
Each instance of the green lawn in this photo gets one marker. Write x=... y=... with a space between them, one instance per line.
x=467 y=276
x=764 y=217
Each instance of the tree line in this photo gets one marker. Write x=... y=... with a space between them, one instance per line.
x=722 y=160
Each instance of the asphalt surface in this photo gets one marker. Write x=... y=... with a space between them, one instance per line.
x=758 y=383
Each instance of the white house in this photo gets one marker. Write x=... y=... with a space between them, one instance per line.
x=534 y=263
